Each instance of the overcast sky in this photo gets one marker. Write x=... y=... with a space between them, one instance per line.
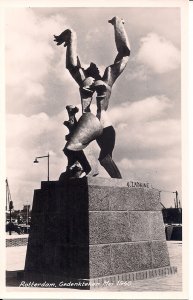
x=144 y=106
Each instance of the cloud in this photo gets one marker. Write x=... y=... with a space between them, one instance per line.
x=138 y=73
x=28 y=137
x=144 y=128
x=158 y=54
x=158 y=172
x=148 y=142
x=30 y=54
x=143 y=110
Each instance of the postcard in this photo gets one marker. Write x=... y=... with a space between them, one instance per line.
x=93 y=158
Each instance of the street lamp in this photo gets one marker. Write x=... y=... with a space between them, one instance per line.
x=48 y=156
x=10 y=209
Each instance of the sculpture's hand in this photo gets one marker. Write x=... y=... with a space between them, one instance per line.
x=116 y=20
x=64 y=37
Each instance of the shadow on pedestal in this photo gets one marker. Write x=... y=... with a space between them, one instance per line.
x=58 y=247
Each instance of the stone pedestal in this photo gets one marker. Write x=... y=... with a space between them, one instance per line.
x=86 y=231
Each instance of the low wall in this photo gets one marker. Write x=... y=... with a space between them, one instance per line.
x=15 y=241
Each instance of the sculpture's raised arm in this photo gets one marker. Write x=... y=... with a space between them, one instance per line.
x=123 y=48
x=121 y=39
x=84 y=78
x=69 y=38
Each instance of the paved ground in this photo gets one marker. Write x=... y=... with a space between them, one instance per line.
x=16 y=261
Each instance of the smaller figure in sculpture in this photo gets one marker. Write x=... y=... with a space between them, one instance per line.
x=90 y=81
x=78 y=165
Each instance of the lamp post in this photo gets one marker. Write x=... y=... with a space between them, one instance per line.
x=10 y=208
x=48 y=157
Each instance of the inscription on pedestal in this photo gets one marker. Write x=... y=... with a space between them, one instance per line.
x=137 y=184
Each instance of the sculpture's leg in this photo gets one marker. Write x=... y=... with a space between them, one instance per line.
x=83 y=161
x=70 y=157
x=77 y=156
x=107 y=142
x=110 y=166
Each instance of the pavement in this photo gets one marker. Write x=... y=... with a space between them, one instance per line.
x=16 y=261
x=15 y=258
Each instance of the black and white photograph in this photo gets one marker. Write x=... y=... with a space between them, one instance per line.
x=93 y=188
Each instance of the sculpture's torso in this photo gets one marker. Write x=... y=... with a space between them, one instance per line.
x=103 y=93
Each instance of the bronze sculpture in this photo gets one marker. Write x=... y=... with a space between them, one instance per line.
x=90 y=81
